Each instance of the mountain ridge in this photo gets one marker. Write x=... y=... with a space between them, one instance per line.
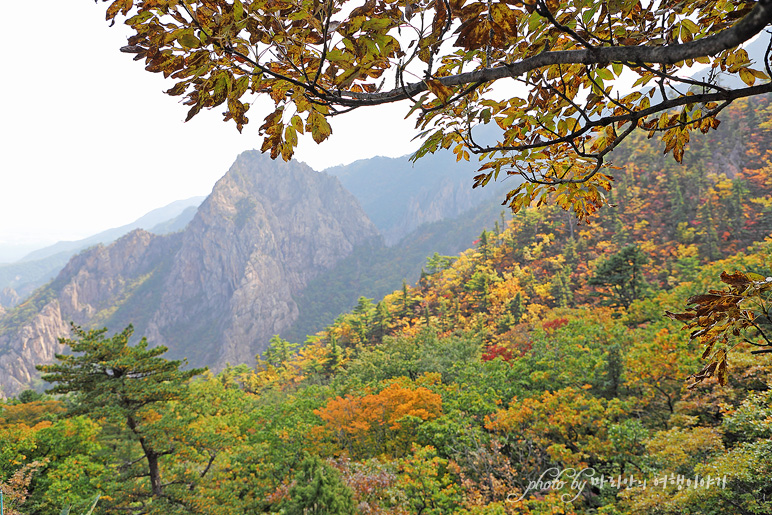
x=20 y=278
x=215 y=292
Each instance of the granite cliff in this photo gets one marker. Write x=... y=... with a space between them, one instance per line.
x=215 y=292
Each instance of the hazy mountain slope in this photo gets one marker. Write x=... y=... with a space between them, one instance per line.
x=12 y=252
x=399 y=196
x=36 y=268
x=214 y=293
x=147 y=222
x=177 y=223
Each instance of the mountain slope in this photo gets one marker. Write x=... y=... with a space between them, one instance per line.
x=400 y=196
x=19 y=279
x=147 y=222
x=214 y=293
x=373 y=270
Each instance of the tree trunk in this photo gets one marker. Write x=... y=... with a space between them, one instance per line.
x=152 y=460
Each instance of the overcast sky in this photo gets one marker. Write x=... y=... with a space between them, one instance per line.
x=90 y=142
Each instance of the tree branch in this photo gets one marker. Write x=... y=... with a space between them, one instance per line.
x=753 y=23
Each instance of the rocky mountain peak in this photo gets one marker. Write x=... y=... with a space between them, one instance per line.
x=213 y=293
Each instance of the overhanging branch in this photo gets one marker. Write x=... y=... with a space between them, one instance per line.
x=753 y=23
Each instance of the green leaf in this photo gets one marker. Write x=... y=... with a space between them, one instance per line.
x=188 y=40
x=605 y=74
x=238 y=10
x=91 y=510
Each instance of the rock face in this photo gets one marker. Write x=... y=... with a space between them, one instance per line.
x=8 y=297
x=447 y=200
x=85 y=292
x=214 y=293
x=41 y=266
x=265 y=231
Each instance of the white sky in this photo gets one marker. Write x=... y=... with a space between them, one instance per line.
x=89 y=141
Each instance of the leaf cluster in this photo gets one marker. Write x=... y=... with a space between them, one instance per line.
x=318 y=58
x=742 y=310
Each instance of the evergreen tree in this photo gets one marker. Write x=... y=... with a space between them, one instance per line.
x=516 y=308
x=484 y=244
x=405 y=299
x=382 y=318
x=336 y=354
x=709 y=245
x=614 y=370
x=319 y=490
x=362 y=321
x=436 y=263
x=560 y=288
x=122 y=383
x=622 y=273
x=279 y=351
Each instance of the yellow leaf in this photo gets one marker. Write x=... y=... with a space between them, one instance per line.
x=439 y=89
x=747 y=76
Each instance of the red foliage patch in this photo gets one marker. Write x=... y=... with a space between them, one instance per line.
x=554 y=325
x=497 y=351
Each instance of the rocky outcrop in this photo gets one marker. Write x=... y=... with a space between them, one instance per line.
x=34 y=342
x=85 y=293
x=8 y=298
x=265 y=231
x=213 y=293
x=447 y=200
x=400 y=196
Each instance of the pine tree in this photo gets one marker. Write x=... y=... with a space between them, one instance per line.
x=484 y=244
x=382 y=319
x=122 y=383
x=560 y=288
x=622 y=273
x=405 y=299
x=279 y=350
x=319 y=490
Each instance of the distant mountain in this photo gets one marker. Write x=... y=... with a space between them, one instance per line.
x=12 y=252
x=162 y=215
x=19 y=279
x=215 y=292
x=400 y=196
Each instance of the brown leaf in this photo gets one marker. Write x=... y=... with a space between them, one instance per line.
x=700 y=299
x=682 y=317
x=738 y=280
x=439 y=89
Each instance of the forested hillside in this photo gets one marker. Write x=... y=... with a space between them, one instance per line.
x=534 y=373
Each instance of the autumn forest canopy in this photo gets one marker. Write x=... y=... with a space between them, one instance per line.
x=604 y=347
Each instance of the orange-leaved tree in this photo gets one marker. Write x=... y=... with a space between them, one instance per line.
x=380 y=423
